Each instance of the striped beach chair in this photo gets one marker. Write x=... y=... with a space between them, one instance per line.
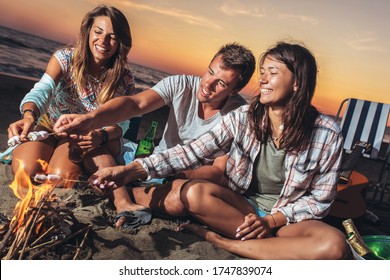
x=364 y=121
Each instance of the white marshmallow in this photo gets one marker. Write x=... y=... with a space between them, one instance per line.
x=53 y=178
x=40 y=178
x=49 y=178
x=37 y=135
x=13 y=141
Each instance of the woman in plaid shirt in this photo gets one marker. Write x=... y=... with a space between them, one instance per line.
x=281 y=175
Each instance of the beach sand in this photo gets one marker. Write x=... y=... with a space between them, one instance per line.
x=156 y=241
x=159 y=240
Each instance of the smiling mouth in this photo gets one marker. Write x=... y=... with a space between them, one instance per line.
x=265 y=91
x=206 y=92
x=101 y=49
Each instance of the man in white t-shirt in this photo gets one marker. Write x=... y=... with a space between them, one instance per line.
x=196 y=105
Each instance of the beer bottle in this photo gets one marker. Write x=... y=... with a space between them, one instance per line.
x=146 y=145
x=357 y=243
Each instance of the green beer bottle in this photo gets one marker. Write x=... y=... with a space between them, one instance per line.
x=146 y=145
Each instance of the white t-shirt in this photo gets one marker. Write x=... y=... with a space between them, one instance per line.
x=184 y=124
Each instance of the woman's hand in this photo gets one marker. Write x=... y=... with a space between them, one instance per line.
x=253 y=227
x=21 y=128
x=84 y=143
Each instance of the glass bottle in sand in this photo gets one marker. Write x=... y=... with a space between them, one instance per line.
x=146 y=145
x=354 y=238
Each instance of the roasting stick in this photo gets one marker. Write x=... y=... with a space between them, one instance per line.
x=54 y=179
x=32 y=136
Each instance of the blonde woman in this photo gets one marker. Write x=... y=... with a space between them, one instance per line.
x=78 y=79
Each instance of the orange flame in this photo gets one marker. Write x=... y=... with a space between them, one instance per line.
x=44 y=164
x=28 y=194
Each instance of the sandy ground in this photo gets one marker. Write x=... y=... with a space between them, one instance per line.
x=159 y=240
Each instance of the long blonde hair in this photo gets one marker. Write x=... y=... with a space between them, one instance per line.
x=116 y=67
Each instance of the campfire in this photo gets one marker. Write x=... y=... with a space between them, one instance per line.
x=43 y=224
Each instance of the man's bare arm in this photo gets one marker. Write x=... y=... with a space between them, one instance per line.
x=112 y=112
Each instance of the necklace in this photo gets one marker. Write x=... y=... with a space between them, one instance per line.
x=276 y=138
x=95 y=80
x=280 y=130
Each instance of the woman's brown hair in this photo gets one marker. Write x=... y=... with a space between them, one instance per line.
x=300 y=115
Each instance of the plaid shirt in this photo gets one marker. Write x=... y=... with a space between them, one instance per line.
x=311 y=175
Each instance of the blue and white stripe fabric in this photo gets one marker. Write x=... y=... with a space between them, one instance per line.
x=364 y=121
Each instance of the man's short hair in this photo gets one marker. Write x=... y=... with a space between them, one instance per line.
x=239 y=58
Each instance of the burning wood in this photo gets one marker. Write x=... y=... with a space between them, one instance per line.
x=41 y=222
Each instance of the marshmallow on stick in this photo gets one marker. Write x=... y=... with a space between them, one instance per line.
x=13 y=141
x=32 y=136
x=38 y=135
x=53 y=179
x=49 y=178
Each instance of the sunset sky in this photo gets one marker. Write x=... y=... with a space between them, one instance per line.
x=350 y=38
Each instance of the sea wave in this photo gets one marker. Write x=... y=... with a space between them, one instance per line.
x=27 y=55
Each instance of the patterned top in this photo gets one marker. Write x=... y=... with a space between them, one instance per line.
x=68 y=100
x=311 y=175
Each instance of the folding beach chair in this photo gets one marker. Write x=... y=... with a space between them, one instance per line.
x=363 y=125
x=365 y=121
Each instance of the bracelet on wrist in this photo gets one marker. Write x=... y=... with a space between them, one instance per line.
x=32 y=112
x=105 y=136
x=273 y=218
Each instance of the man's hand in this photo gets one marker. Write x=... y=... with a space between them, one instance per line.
x=75 y=123
x=107 y=179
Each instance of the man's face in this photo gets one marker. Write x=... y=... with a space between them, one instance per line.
x=217 y=83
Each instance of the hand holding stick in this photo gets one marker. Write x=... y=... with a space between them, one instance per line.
x=32 y=136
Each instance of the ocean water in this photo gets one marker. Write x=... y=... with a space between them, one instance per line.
x=27 y=55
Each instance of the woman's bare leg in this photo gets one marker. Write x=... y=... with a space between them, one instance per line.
x=303 y=240
x=54 y=156
x=61 y=165
x=220 y=208
x=28 y=154
x=223 y=210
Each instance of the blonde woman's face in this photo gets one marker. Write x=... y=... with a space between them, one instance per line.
x=277 y=83
x=102 y=40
